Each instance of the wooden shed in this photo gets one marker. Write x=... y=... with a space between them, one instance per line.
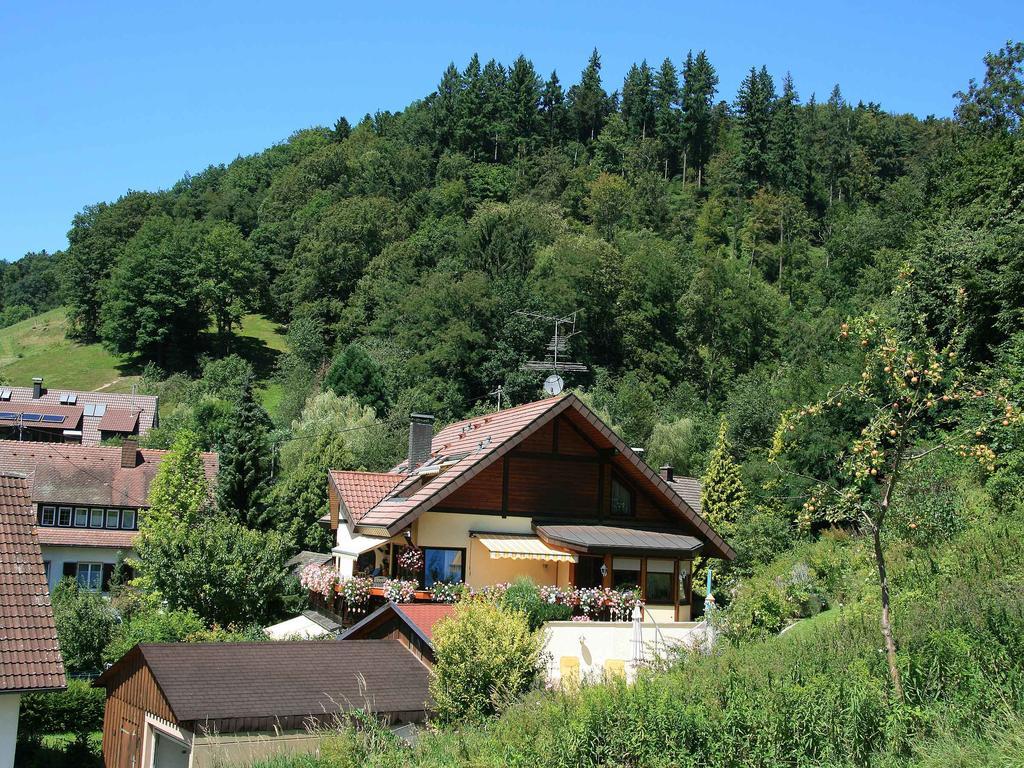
x=181 y=705
x=411 y=624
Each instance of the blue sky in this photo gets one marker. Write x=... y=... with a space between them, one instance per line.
x=98 y=100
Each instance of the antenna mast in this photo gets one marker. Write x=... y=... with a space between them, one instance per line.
x=554 y=362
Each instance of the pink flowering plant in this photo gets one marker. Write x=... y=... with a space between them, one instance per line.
x=411 y=559
x=319 y=579
x=356 y=592
x=444 y=592
x=400 y=591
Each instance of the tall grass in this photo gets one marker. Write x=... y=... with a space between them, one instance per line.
x=820 y=698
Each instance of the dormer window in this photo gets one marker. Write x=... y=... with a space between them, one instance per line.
x=622 y=499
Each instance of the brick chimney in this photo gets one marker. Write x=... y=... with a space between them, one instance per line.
x=130 y=453
x=421 y=433
x=668 y=473
x=37 y=387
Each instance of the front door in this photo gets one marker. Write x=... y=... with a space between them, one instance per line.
x=588 y=572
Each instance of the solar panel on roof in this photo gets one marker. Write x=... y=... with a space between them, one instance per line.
x=31 y=417
x=8 y=415
x=53 y=418
x=5 y=393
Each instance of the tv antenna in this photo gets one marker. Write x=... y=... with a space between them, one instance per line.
x=555 y=361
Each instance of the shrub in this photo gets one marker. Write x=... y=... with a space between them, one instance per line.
x=78 y=710
x=525 y=597
x=486 y=659
x=152 y=626
x=85 y=623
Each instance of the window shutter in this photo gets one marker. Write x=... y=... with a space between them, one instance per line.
x=71 y=569
x=108 y=571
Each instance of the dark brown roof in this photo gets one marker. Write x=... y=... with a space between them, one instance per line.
x=297 y=563
x=229 y=681
x=119 y=420
x=606 y=539
x=466 y=448
x=84 y=537
x=146 y=405
x=11 y=414
x=689 y=488
x=64 y=473
x=29 y=653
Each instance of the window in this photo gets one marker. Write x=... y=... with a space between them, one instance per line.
x=64 y=517
x=96 y=518
x=659 y=582
x=625 y=572
x=81 y=517
x=622 y=499
x=49 y=516
x=128 y=519
x=447 y=565
x=46 y=570
x=113 y=516
x=90 y=576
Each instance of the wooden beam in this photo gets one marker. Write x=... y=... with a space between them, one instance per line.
x=504 y=485
x=607 y=580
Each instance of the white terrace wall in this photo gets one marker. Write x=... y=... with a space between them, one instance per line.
x=591 y=650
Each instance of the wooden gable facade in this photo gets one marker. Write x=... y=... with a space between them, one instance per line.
x=562 y=472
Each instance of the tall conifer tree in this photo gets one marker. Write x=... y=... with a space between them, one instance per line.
x=700 y=82
x=244 y=475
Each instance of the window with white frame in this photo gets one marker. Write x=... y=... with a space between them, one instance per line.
x=81 y=517
x=49 y=516
x=64 y=517
x=113 y=516
x=90 y=576
x=96 y=518
x=128 y=519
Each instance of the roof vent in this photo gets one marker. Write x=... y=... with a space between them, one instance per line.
x=668 y=473
x=37 y=387
x=130 y=453
x=421 y=434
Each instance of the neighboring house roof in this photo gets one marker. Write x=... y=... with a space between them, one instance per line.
x=606 y=539
x=361 y=491
x=690 y=489
x=40 y=416
x=29 y=653
x=65 y=473
x=207 y=682
x=416 y=621
x=306 y=626
x=304 y=558
x=119 y=420
x=464 y=449
x=145 y=405
x=85 y=537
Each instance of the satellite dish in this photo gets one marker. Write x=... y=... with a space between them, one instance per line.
x=553 y=384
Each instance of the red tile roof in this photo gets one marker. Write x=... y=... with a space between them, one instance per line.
x=362 y=490
x=64 y=473
x=84 y=537
x=119 y=420
x=29 y=653
x=463 y=449
x=426 y=615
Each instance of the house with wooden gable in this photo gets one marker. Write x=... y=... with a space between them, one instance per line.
x=71 y=416
x=545 y=490
x=87 y=502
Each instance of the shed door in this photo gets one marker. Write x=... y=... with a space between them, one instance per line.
x=168 y=752
x=128 y=743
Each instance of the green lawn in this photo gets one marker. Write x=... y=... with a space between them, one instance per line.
x=39 y=347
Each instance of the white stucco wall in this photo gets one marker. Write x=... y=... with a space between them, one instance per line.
x=594 y=644
x=9 y=705
x=57 y=556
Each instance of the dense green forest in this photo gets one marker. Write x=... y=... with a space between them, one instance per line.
x=712 y=245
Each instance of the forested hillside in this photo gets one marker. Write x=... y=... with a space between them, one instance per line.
x=713 y=243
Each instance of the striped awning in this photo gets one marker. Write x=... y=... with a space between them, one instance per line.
x=512 y=547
